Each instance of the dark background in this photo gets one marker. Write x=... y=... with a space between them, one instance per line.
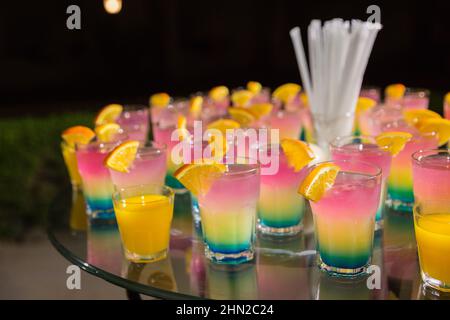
x=187 y=45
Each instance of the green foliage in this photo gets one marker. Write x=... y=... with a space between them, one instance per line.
x=31 y=168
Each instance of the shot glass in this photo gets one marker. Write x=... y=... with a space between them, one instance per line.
x=134 y=121
x=344 y=219
x=280 y=207
x=144 y=215
x=228 y=214
x=97 y=184
x=149 y=167
x=70 y=159
x=400 y=182
x=431 y=172
x=365 y=148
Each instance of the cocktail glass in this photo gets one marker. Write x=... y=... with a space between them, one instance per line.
x=280 y=207
x=149 y=167
x=400 y=182
x=344 y=219
x=144 y=215
x=134 y=121
x=365 y=148
x=373 y=121
x=216 y=108
x=164 y=131
x=431 y=170
x=97 y=184
x=228 y=214
x=70 y=160
x=416 y=98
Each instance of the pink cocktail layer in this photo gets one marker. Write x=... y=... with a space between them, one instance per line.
x=369 y=153
x=97 y=185
x=164 y=135
x=146 y=169
x=135 y=123
x=289 y=124
x=412 y=102
x=432 y=180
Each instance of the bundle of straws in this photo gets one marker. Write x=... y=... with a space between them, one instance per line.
x=338 y=56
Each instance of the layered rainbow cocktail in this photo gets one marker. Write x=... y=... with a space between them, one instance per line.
x=365 y=149
x=431 y=172
x=144 y=215
x=280 y=207
x=400 y=182
x=228 y=214
x=97 y=184
x=149 y=167
x=134 y=121
x=344 y=219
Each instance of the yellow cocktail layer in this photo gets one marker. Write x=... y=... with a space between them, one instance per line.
x=344 y=242
x=433 y=242
x=144 y=223
x=71 y=163
x=228 y=231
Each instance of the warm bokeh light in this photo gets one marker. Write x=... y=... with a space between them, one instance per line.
x=112 y=6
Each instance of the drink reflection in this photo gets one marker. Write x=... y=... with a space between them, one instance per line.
x=232 y=281
x=104 y=249
x=283 y=268
x=158 y=274
x=196 y=265
x=400 y=255
x=78 y=216
x=334 y=288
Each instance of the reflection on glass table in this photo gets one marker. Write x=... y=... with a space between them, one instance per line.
x=282 y=269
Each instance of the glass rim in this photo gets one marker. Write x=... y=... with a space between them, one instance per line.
x=417 y=91
x=369 y=176
x=65 y=144
x=371 y=87
x=134 y=107
x=253 y=168
x=418 y=212
x=423 y=153
x=150 y=147
x=335 y=146
x=97 y=144
x=164 y=188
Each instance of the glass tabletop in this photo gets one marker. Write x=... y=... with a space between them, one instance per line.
x=282 y=269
